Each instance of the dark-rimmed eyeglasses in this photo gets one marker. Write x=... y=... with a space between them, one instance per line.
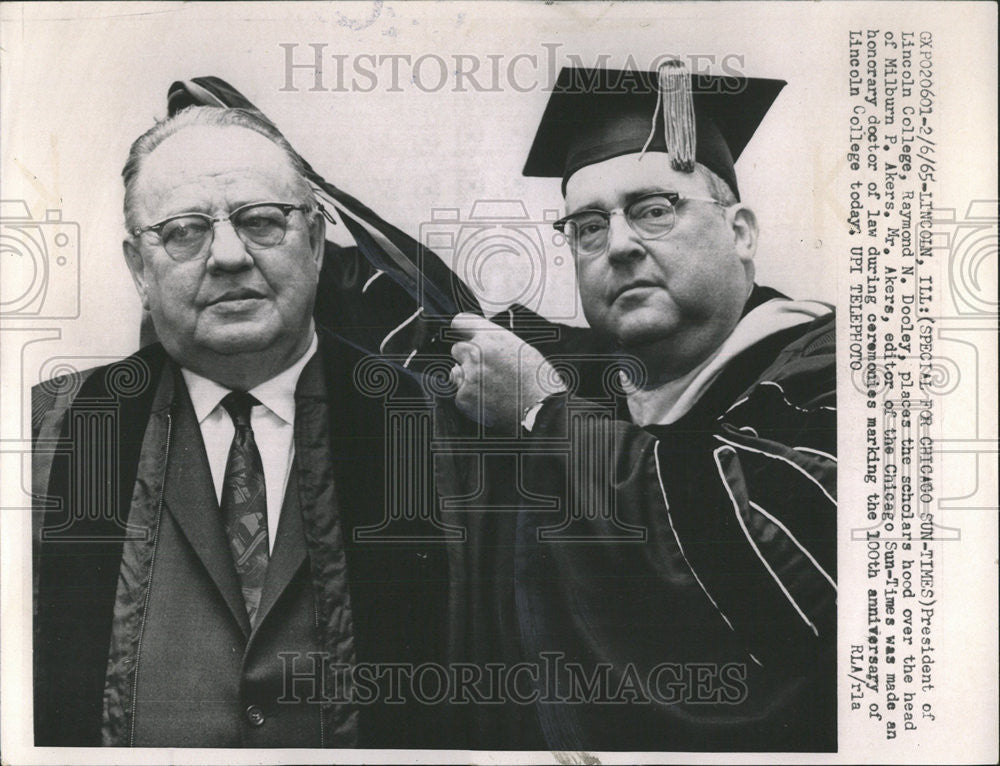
x=259 y=225
x=651 y=216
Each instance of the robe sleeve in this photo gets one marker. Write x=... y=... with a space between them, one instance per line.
x=747 y=503
x=707 y=543
x=751 y=515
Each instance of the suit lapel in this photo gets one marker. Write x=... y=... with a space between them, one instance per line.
x=289 y=550
x=189 y=496
x=303 y=499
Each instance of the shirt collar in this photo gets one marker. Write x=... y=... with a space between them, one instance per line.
x=277 y=394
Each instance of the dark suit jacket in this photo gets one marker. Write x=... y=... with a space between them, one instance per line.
x=397 y=588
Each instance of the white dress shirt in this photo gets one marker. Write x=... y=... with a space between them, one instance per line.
x=273 y=424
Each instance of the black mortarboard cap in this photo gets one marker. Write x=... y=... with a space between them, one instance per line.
x=596 y=114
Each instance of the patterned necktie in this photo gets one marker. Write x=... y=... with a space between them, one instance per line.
x=244 y=502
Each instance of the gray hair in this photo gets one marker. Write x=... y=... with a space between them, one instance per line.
x=718 y=188
x=212 y=116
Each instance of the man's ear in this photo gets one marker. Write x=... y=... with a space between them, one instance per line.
x=744 y=226
x=317 y=237
x=136 y=267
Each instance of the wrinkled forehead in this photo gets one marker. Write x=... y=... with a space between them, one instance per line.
x=211 y=162
x=614 y=182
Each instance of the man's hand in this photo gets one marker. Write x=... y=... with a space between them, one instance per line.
x=498 y=375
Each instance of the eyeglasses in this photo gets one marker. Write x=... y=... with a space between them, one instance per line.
x=259 y=225
x=651 y=216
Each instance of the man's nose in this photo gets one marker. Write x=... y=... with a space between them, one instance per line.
x=227 y=251
x=623 y=243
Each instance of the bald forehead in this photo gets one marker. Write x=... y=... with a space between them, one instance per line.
x=203 y=148
x=215 y=162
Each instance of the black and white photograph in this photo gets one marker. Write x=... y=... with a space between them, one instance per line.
x=498 y=382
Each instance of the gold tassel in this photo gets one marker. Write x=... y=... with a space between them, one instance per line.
x=674 y=93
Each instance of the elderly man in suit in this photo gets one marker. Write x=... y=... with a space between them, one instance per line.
x=199 y=580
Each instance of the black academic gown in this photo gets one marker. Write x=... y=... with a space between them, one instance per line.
x=681 y=595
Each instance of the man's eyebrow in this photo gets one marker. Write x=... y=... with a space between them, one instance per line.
x=645 y=191
x=208 y=209
x=256 y=199
x=181 y=207
x=626 y=199
x=582 y=208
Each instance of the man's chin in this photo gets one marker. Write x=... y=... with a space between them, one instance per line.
x=639 y=338
x=238 y=341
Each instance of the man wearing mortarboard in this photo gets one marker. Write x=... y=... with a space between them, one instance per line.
x=683 y=594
